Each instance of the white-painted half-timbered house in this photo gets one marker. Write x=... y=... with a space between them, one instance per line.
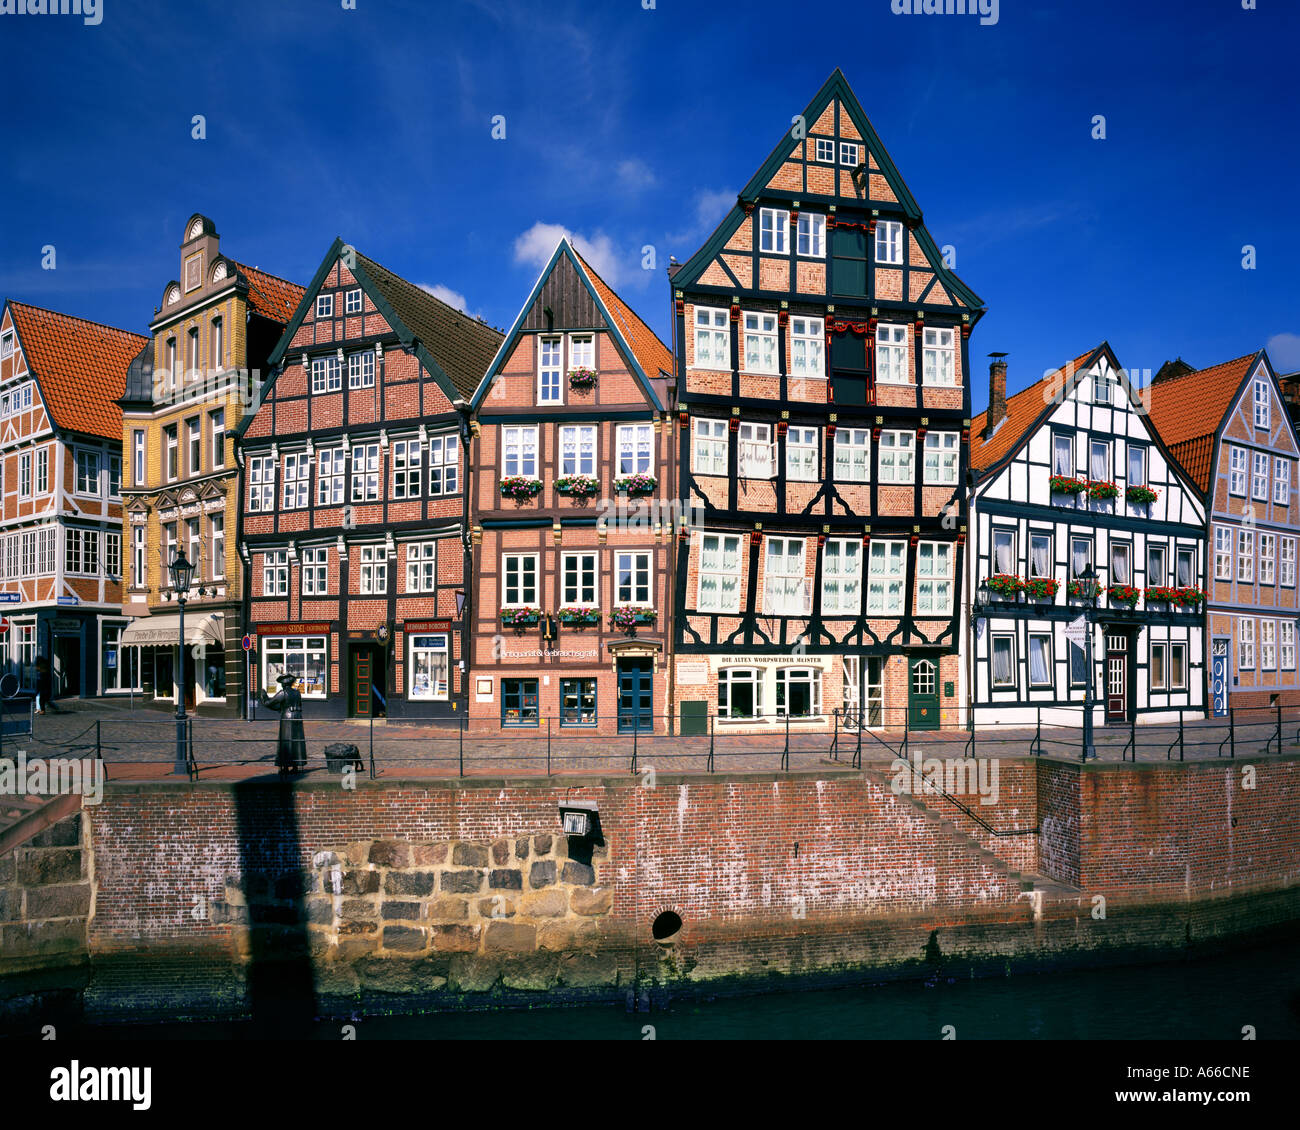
x=1069 y=474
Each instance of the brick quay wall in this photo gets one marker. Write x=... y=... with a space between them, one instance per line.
x=464 y=893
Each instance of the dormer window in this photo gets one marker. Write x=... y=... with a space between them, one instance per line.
x=774 y=231
x=324 y=305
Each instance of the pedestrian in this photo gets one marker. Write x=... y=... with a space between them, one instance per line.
x=291 y=747
x=44 y=684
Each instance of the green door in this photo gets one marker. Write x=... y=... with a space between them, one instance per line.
x=923 y=696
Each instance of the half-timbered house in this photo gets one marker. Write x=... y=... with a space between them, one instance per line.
x=572 y=475
x=61 y=499
x=354 y=515
x=824 y=414
x=1068 y=477
x=1229 y=428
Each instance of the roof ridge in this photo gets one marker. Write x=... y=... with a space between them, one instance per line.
x=418 y=289
x=1169 y=381
x=77 y=318
x=269 y=274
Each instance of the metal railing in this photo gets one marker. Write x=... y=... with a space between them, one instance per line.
x=550 y=744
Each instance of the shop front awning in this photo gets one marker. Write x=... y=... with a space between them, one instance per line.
x=159 y=631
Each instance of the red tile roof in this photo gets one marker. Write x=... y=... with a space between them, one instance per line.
x=651 y=353
x=80 y=367
x=1024 y=409
x=1186 y=411
x=272 y=297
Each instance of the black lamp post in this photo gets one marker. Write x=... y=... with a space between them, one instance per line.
x=1089 y=579
x=182 y=572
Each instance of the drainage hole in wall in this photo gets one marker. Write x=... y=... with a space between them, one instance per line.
x=665 y=926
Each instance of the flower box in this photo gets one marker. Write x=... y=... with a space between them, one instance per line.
x=1099 y=490
x=628 y=618
x=1041 y=586
x=1084 y=590
x=1163 y=594
x=579 y=486
x=1141 y=496
x=1123 y=594
x=578 y=616
x=520 y=487
x=1066 y=484
x=519 y=617
x=582 y=379
x=638 y=483
x=1190 y=594
x=1005 y=584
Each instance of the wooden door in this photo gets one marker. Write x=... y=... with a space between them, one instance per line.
x=1117 y=672
x=923 y=696
x=362 y=682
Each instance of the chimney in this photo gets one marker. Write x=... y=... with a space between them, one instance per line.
x=1172 y=369
x=997 y=394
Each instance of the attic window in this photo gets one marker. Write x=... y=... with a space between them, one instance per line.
x=352 y=304
x=848 y=154
x=7 y=344
x=826 y=150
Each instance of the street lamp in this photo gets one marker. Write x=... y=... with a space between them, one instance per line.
x=1089 y=579
x=182 y=572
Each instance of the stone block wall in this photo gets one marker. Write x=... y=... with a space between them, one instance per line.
x=46 y=897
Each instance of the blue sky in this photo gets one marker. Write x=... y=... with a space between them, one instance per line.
x=631 y=127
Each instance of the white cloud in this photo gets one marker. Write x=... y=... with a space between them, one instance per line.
x=634 y=174
x=536 y=246
x=1284 y=352
x=710 y=207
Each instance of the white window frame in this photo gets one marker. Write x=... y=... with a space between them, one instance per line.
x=1259 y=476
x=1286 y=645
x=1246 y=556
x=1245 y=643
x=324 y=305
x=709 y=442
x=849 y=444
x=712 y=336
x=887 y=569
x=807 y=347
x=578 y=449
x=634 y=448
x=516 y=590
x=519 y=447
x=348 y=306
x=773 y=231
x=217 y=536
x=1178 y=684
x=786 y=588
x=789 y=677
x=1263 y=413
x=802 y=454
x=361 y=369
x=444 y=465
x=1044 y=639
x=939 y=357
x=1281 y=481
x=728 y=679
x=761 y=328
x=315 y=571
x=1139 y=450
x=422 y=566
x=841 y=577
x=1224 y=553
x=372 y=572
x=896 y=458
x=309 y=646
x=1267 y=558
x=331 y=465
x=580 y=580
x=934 y=573
x=1010 y=640
x=139 y=464
x=713 y=555
x=296 y=481
x=1267 y=645
x=406 y=457
x=275 y=572
x=428 y=644
x=326 y=374
x=825 y=150
x=261 y=484
x=947 y=458
x=849 y=154
x=756 y=453
x=892 y=366
x=638 y=564
x=1238 y=471
x=88 y=468
x=582 y=351
x=889 y=243
x=810 y=235
x=217 y=437
x=367 y=463
x=550 y=369
x=1286 y=562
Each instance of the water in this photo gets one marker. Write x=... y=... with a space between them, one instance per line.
x=1201 y=999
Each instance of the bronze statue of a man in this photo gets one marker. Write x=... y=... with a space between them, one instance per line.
x=291 y=749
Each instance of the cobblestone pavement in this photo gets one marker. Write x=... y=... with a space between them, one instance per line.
x=141 y=743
